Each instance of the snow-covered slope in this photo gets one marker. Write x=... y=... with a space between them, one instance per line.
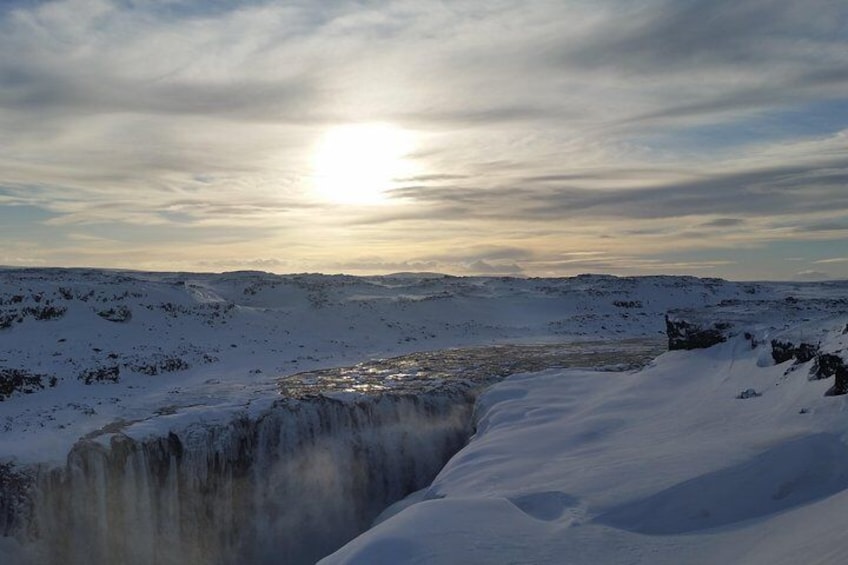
x=730 y=454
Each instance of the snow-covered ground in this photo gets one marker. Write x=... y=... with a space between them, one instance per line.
x=713 y=455
x=717 y=455
x=92 y=346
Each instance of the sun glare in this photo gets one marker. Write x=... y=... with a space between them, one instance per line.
x=357 y=164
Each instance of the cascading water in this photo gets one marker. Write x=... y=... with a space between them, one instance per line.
x=287 y=487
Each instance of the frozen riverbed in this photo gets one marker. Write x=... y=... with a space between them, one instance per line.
x=475 y=366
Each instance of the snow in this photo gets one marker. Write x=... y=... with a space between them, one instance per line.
x=217 y=343
x=663 y=465
x=704 y=456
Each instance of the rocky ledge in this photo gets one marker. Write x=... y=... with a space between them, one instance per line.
x=809 y=334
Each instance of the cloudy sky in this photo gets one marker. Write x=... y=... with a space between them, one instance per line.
x=706 y=137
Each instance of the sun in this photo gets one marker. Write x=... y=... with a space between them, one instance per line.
x=358 y=163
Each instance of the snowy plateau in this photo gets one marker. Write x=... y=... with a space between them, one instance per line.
x=251 y=418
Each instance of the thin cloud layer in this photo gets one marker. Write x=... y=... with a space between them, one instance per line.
x=658 y=136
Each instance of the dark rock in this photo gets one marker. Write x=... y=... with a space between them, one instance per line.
x=782 y=351
x=7 y=319
x=101 y=375
x=163 y=365
x=42 y=313
x=748 y=393
x=829 y=364
x=686 y=335
x=19 y=380
x=171 y=364
x=117 y=314
x=752 y=339
x=627 y=303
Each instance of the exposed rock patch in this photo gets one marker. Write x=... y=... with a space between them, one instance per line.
x=831 y=364
x=783 y=351
x=20 y=381
x=686 y=335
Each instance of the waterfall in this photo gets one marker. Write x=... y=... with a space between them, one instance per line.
x=287 y=486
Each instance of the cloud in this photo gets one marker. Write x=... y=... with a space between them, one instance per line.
x=722 y=56
x=485 y=268
x=446 y=265
x=490 y=253
x=662 y=36
x=542 y=129
x=811 y=275
x=779 y=188
x=266 y=264
x=825 y=226
x=768 y=191
x=376 y=266
x=724 y=223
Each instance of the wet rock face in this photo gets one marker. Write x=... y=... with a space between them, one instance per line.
x=689 y=335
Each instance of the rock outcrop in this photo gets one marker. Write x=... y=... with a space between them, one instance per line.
x=783 y=351
x=796 y=330
x=683 y=334
x=832 y=365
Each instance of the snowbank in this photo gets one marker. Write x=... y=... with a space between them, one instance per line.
x=670 y=464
